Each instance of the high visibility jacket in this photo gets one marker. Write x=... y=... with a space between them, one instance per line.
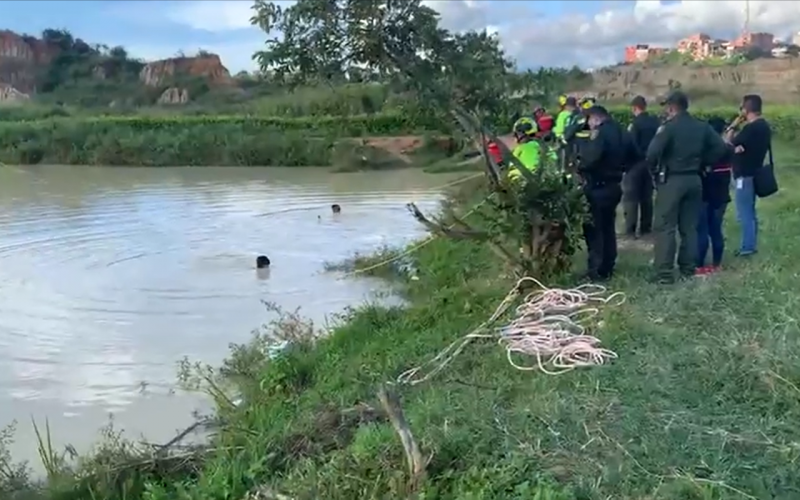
x=561 y=123
x=529 y=154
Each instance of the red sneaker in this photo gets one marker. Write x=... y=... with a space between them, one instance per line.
x=702 y=271
x=714 y=269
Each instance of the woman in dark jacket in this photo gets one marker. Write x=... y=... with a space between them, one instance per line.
x=716 y=196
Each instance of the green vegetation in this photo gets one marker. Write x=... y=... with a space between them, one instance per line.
x=167 y=140
x=701 y=404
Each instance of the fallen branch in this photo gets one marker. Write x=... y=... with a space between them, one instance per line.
x=441 y=229
x=165 y=448
x=416 y=465
x=465 y=232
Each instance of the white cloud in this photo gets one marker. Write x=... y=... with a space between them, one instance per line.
x=537 y=39
x=599 y=39
x=213 y=15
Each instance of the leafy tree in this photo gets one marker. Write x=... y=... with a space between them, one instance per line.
x=399 y=41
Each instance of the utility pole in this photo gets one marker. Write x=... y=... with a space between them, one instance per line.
x=746 y=27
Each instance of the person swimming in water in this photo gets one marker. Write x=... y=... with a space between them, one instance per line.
x=336 y=208
x=262 y=262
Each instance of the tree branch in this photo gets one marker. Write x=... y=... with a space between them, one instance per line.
x=441 y=229
x=416 y=464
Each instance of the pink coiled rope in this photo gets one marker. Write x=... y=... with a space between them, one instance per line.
x=549 y=325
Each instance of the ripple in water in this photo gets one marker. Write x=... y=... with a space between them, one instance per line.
x=110 y=276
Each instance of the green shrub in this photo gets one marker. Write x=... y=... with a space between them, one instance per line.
x=98 y=143
x=189 y=140
x=159 y=140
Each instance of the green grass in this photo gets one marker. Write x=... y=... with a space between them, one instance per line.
x=254 y=139
x=703 y=402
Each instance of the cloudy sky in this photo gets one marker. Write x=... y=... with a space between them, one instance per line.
x=536 y=33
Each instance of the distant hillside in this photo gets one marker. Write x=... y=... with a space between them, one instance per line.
x=57 y=67
x=777 y=80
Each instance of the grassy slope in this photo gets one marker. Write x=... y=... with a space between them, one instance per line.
x=702 y=404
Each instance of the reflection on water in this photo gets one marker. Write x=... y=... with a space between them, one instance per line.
x=109 y=276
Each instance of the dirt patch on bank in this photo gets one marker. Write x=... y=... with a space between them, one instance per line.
x=400 y=146
x=403 y=146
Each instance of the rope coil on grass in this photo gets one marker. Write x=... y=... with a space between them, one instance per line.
x=549 y=325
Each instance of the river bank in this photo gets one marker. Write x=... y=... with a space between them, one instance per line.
x=112 y=276
x=355 y=142
x=701 y=404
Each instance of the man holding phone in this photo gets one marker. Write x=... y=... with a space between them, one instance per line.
x=751 y=144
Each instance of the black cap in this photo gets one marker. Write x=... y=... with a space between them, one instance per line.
x=639 y=102
x=677 y=98
x=597 y=110
x=571 y=101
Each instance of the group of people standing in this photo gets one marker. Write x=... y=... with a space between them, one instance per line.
x=690 y=164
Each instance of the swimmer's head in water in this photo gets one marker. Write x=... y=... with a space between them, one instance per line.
x=336 y=208
x=262 y=261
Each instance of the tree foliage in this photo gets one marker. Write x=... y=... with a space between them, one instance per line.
x=75 y=62
x=401 y=42
x=397 y=41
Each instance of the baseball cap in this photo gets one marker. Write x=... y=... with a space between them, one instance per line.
x=676 y=97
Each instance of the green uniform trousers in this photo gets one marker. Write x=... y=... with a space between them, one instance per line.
x=678 y=203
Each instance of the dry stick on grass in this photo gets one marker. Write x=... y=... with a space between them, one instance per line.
x=416 y=465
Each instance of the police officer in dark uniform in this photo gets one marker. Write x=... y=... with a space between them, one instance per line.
x=680 y=149
x=637 y=196
x=601 y=167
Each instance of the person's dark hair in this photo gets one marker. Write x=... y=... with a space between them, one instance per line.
x=336 y=208
x=752 y=103
x=639 y=102
x=262 y=261
x=718 y=124
x=597 y=110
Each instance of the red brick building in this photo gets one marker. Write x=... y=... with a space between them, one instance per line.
x=641 y=53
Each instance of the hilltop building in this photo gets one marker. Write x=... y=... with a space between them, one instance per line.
x=702 y=46
x=642 y=52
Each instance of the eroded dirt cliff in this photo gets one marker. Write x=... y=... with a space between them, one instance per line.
x=208 y=66
x=20 y=56
x=777 y=80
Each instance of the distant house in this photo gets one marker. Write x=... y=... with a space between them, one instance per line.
x=763 y=41
x=641 y=53
x=702 y=46
x=698 y=46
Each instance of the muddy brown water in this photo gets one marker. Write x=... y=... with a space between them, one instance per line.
x=109 y=276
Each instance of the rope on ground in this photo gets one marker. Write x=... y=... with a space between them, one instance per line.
x=549 y=325
x=411 y=249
